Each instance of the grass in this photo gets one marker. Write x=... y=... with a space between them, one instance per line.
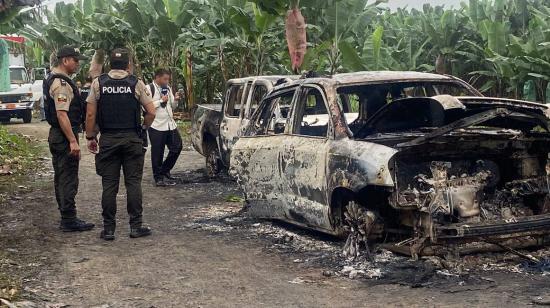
x=233 y=198
x=18 y=153
x=18 y=158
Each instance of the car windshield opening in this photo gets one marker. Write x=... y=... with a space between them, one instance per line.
x=360 y=102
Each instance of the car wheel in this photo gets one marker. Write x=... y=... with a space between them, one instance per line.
x=358 y=224
x=27 y=116
x=213 y=164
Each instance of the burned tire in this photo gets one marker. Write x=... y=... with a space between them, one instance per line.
x=360 y=224
x=213 y=162
x=27 y=116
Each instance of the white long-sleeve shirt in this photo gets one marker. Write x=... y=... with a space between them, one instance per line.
x=164 y=120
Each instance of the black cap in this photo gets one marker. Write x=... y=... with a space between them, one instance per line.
x=120 y=55
x=70 y=51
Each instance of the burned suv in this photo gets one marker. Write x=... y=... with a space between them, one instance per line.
x=421 y=161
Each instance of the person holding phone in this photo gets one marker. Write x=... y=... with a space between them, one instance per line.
x=164 y=133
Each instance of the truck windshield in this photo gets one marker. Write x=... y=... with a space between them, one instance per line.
x=18 y=75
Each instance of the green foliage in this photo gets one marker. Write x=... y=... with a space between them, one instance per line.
x=497 y=45
x=233 y=198
x=17 y=154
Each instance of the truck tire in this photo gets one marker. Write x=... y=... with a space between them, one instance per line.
x=27 y=116
x=213 y=163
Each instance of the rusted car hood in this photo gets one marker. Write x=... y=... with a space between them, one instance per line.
x=439 y=115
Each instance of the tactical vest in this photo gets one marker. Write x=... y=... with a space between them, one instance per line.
x=76 y=110
x=118 y=108
x=84 y=92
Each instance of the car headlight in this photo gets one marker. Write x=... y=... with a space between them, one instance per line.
x=26 y=97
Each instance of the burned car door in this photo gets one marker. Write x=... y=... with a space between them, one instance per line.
x=257 y=156
x=257 y=92
x=303 y=161
x=233 y=112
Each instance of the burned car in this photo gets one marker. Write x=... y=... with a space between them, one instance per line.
x=421 y=162
x=215 y=127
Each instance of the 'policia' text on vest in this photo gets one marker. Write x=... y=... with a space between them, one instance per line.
x=116 y=90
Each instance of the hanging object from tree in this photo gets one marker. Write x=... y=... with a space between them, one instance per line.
x=296 y=35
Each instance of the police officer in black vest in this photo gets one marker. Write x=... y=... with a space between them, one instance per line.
x=85 y=90
x=64 y=112
x=115 y=103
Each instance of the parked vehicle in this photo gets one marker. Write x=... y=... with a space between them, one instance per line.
x=25 y=90
x=216 y=127
x=423 y=161
x=19 y=102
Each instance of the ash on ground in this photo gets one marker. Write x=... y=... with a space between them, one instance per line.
x=317 y=250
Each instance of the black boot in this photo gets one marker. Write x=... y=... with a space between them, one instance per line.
x=164 y=182
x=108 y=235
x=75 y=225
x=140 y=232
x=169 y=176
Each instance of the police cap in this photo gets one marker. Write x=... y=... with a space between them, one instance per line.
x=70 y=51
x=120 y=55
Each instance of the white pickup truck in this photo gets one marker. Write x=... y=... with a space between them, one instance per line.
x=25 y=92
x=215 y=128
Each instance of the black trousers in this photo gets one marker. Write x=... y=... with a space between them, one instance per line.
x=121 y=150
x=65 y=169
x=159 y=141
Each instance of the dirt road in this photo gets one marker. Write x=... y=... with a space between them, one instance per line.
x=205 y=253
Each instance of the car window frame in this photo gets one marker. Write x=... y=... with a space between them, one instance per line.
x=228 y=97
x=292 y=118
x=270 y=96
x=256 y=83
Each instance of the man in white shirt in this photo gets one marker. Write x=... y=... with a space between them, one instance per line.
x=164 y=130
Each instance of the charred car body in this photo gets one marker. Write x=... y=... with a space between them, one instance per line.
x=419 y=160
x=215 y=127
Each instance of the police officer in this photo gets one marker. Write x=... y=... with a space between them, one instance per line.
x=85 y=90
x=63 y=111
x=115 y=102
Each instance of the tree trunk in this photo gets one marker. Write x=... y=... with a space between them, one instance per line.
x=441 y=64
x=189 y=79
x=135 y=63
x=96 y=67
x=53 y=59
x=222 y=64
